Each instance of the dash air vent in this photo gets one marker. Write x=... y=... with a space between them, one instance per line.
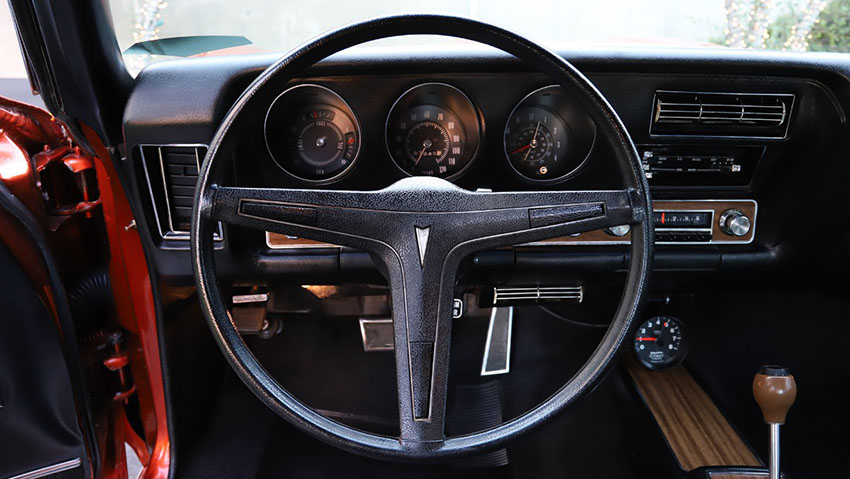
x=748 y=115
x=172 y=171
x=504 y=295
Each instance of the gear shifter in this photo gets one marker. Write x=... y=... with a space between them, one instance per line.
x=775 y=390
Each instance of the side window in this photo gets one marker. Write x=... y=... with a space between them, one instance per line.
x=14 y=83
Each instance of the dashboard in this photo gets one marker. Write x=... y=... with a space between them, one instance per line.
x=739 y=150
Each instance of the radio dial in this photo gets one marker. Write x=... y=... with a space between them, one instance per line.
x=735 y=223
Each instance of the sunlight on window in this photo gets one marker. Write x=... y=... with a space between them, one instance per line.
x=12 y=64
x=278 y=26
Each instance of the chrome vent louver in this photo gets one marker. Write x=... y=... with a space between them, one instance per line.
x=503 y=295
x=721 y=114
x=172 y=172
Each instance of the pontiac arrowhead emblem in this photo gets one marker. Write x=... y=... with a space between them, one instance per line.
x=422 y=241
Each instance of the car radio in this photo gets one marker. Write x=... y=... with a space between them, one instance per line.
x=682 y=222
x=693 y=165
x=683 y=226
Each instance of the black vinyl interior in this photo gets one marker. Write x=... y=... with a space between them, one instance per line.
x=44 y=417
x=781 y=299
x=801 y=243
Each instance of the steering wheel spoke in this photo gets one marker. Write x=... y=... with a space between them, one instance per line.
x=422 y=282
x=413 y=207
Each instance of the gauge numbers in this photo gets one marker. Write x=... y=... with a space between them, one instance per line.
x=428 y=140
x=536 y=141
x=433 y=129
x=660 y=342
x=312 y=134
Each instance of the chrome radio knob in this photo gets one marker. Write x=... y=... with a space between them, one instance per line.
x=620 y=231
x=735 y=223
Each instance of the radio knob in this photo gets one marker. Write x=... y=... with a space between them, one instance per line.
x=620 y=231
x=735 y=223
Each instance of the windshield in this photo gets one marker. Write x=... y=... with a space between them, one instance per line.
x=244 y=26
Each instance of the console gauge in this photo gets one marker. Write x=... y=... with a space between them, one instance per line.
x=660 y=342
x=312 y=134
x=548 y=137
x=433 y=130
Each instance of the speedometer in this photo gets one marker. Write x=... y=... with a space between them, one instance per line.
x=429 y=140
x=433 y=130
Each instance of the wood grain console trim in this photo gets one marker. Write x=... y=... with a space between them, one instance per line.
x=696 y=431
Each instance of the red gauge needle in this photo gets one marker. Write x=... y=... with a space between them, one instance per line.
x=521 y=149
x=646 y=339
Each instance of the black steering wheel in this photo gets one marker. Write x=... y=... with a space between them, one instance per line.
x=418 y=230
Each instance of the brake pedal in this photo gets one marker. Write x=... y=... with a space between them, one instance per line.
x=497 y=350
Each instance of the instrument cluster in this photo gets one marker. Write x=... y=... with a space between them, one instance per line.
x=432 y=129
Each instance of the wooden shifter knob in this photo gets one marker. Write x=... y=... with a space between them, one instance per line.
x=775 y=390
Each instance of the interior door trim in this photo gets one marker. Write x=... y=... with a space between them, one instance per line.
x=48 y=470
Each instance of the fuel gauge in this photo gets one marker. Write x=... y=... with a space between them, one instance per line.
x=312 y=134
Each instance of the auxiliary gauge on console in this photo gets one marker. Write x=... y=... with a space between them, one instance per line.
x=660 y=342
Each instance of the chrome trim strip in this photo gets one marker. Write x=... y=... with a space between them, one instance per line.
x=165 y=188
x=48 y=470
x=269 y=245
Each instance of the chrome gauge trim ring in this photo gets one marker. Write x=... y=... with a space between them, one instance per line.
x=344 y=106
x=549 y=181
x=479 y=126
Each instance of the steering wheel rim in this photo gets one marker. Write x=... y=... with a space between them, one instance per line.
x=214 y=203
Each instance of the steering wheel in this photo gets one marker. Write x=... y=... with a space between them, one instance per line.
x=418 y=230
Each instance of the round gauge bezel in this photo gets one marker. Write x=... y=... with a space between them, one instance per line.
x=582 y=129
x=323 y=96
x=680 y=354
x=450 y=98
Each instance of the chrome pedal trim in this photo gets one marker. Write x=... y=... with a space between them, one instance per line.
x=497 y=349
x=377 y=334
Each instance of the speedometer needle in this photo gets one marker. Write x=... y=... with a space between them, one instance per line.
x=646 y=339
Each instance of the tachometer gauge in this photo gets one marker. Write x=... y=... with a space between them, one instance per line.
x=311 y=133
x=660 y=342
x=433 y=130
x=537 y=141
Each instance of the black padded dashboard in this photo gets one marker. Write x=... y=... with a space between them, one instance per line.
x=797 y=180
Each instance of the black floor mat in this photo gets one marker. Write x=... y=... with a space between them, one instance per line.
x=607 y=434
